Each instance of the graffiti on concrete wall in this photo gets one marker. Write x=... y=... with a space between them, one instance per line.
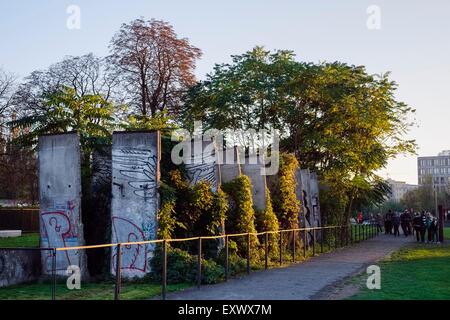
x=315 y=203
x=60 y=198
x=202 y=164
x=59 y=230
x=137 y=167
x=201 y=172
x=135 y=176
x=306 y=197
x=134 y=257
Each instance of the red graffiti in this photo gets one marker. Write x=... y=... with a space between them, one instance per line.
x=57 y=228
x=134 y=257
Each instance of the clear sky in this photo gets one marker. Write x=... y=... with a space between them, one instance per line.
x=413 y=43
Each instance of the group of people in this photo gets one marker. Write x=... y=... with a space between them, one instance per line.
x=421 y=224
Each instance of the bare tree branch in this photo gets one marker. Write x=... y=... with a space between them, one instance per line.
x=154 y=65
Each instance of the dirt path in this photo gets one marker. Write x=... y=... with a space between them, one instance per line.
x=313 y=279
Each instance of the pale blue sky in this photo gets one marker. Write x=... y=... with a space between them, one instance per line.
x=413 y=43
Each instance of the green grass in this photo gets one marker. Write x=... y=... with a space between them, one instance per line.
x=91 y=291
x=447 y=233
x=419 y=272
x=28 y=240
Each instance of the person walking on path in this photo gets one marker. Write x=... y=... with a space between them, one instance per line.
x=396 y=224
x=388 y=222
x=432 y=227
x=409 y=227
x=360 y=217
x=403 y=223
x=413 y=229
x=419 y=225
x=423 y=226
x=379 y=221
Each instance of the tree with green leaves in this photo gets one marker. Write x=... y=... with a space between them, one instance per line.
x=90 y=115
x=424 y=197
x=336 y=118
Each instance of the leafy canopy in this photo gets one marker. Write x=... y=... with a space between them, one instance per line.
x=90 y=115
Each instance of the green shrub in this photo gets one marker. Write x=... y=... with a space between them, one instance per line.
x=212 y=272
x=241 y=215
x=236 y=264
x=286 y=204
x=182 y=267
x=166 y=216
x=266 y=220
x=191 y=211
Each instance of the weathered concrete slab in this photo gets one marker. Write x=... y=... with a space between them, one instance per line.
x=10 y=233
x=201 y=164
x=230 y=163
x=18 y=266
x=306 y=197
x=315 y=201
x=135 y=202
x=253 y=167
x=60 y=201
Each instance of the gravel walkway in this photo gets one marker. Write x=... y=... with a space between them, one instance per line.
x=299 y=281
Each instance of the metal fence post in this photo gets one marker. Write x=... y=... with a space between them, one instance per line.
x=199 y=263
x=281 y=247
x=226 y=258
x=164 y=269
x=351 y=233
x=53 y=274
x=305 y=239
x=335 y=238
x=347 y=240
x=266 y=250
x=118 y=271
x=293 y=245
x=248 y=253
x=321 y=239
x=314 y=241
